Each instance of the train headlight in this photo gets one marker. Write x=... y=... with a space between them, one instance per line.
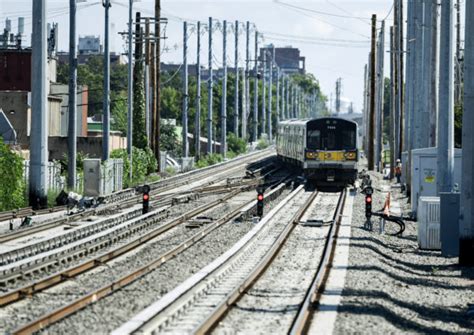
x=310 y=155
x=350 y=155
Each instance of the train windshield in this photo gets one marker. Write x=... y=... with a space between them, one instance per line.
x=324 y=136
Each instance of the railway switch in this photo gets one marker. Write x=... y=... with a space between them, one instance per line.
x=260 y=203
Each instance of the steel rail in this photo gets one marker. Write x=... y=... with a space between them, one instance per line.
x=29 y=290
x=150 y=319
x=221 y=310
x=95 y=295
x=166 y=200
x=128 y=196
x=302 y=320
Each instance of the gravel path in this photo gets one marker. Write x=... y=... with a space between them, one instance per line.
x=271 y=304
x=110 y=312
x=393 y=287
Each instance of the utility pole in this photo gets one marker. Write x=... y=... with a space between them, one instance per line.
x=185 y=90
x=466 y=232
x=295 y=102
x=236 y=71
x=418 y=77
x=130 y=87
x=255 y=95
x=287 y=102
x=364 y=107
x=282 y=97
x=210 y=86
x=197 y=130
x=72 y=109
x=153 y=104
x=401 y=90
x=446 y=100
x=277 y=88
x=396 y=77
x=264 y=94
x=367 y=97
x=224 y=92
x=244 y=106
x=393 y=127
x=411 y=75
x=458 y=92
x=247 y=82
x=338 y=95
x=157 y=92
x=39 y=114
x=147 y=80
x=372 y=95
x=270 y=96
x=106 y=108
x=380 y=97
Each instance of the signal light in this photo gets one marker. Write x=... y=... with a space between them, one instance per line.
x=146 y=199
x=260 y=203
x=368 y=206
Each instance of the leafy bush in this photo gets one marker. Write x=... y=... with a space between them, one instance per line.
x=208 y=160
x=79 y=162
x=236 y=145
x=12 y=184
x=262 y=144
x=144 y=163
x=169 y=140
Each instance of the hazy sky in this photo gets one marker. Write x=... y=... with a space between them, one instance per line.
x=335 y=45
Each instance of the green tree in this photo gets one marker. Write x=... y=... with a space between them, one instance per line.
x=139 y=131
x=12 y=184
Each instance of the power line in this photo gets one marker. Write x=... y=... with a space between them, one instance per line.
x=320 y=12
x=305 y=13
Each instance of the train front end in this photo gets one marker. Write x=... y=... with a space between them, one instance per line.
x=331 y=153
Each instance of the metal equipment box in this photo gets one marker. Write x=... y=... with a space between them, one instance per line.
x=92 y=180
x=102 y=179
x=424 y=173
x=450 y=207
x=429 y=223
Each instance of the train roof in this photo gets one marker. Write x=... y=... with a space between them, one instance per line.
x=302 y=122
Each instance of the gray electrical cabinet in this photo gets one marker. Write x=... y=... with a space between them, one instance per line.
x=102 y=179
x=450 y=207
x=92 y=178
x=424 y=173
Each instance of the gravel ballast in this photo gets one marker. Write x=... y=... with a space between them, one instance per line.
x=393 y=287
x=271 y=304
x=108 y=313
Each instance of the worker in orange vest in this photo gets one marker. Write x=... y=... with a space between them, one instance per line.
x=398 y=170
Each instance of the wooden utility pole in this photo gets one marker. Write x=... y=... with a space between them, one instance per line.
x=153 y=94
x=372 y=95
x=147 y=80
x=397 y=115
x=157 y=85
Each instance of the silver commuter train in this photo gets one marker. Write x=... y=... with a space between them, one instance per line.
x=325 y=149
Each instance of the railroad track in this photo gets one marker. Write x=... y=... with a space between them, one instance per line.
x=217 y=175
x=163 y=184
x=67 y=247
x=183 y=309
x=63 y=311
x=199 y=306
